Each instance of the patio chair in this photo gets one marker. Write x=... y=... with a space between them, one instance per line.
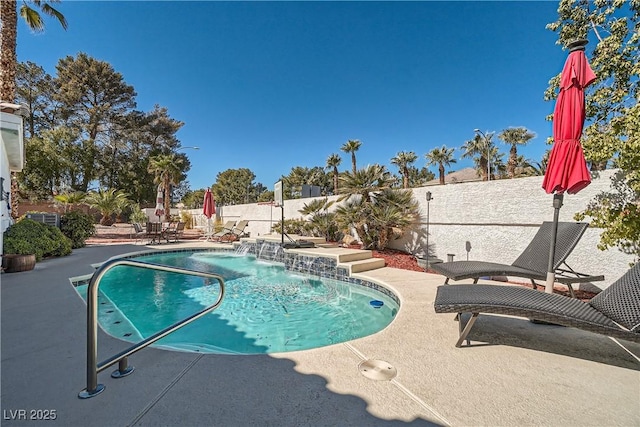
x=154 y=232
x=237 y=232
x=138 y=232
x=174 y=232
x=226 y=229
x=614 y=312
x=532 y=262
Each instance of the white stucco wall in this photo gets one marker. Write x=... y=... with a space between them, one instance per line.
x=499 y=219
x=5 y=217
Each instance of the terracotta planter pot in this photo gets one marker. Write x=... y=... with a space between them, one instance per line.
x=14 y=263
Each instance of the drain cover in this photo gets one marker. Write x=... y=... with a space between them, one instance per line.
x=378 y=370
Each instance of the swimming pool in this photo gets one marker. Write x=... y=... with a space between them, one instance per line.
x=266 y=308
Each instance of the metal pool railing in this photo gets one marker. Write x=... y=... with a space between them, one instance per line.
x=93 y=368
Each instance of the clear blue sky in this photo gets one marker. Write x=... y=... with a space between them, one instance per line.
x=273 y=85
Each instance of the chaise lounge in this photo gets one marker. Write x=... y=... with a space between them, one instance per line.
x=614 y=312
x=226 y=229
x=532 y=262
x=233 y=233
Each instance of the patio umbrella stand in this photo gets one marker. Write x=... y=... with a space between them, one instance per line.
x=567 y=169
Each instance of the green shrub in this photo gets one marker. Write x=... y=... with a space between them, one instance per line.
x=187 y=218
x=31 y=237
x=138 y=215
x=292 y=226
x=77 y=226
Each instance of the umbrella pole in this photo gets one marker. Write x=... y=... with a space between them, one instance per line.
x=551 y=274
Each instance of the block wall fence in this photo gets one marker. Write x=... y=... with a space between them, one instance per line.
x=498 y=218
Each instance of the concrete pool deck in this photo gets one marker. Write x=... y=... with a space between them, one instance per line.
x=516 y=373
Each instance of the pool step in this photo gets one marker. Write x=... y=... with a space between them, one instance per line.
x=355 y=260
x=358 y=266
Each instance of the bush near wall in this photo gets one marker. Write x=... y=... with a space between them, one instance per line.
x=78 y=227
x=30 y=237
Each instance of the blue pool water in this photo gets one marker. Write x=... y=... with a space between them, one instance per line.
x=265 y=309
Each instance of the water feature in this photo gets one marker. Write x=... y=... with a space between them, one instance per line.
x=271 y=251
x=244 y=248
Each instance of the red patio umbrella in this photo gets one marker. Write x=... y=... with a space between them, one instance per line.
x=567 y=169
x=208 y=209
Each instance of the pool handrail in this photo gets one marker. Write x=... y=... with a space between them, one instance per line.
x=93 y=368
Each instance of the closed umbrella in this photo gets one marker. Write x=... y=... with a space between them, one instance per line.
x=159 y=203
x=208 y=209
x=567 y=169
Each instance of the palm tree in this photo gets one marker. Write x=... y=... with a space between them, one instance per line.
x=321 y=222
x=385 y=217
x=514 y=137
x=9 y=59
x=333 y=161
x=351 y=146
x=540 y=168
x=377 y=211
x=394 y=212
x=403 y=160
x=167 y=169
x=107 y=202
x=69 y=198
x=441 y=157
x=353 y=215
x=364 y=182
x=479 y=149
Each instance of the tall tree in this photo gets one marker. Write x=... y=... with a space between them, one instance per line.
x=36 y=89
x=161 y=129
x=168 y=169
x=480 y=150
x=441 y=157
x=93 y=96
x=403 y=160
x=8 y=56
x=51 y=163
x=515 y=136
x=612 y=125
x=234 y=187
x=351 y=146
x=333 y=161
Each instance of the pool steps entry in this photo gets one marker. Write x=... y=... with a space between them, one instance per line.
x=93 y=367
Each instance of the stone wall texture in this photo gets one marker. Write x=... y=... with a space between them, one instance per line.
x=498 y=219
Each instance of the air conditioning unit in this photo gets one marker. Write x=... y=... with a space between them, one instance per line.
x=45 y=218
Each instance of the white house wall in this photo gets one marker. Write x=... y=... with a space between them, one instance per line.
x=5 y=217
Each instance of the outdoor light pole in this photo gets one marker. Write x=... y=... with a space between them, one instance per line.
x=486 y=141
x=429 y=198
x=184 y=148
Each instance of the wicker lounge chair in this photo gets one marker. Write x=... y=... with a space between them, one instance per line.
x=614 y=312
x=532 y=262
